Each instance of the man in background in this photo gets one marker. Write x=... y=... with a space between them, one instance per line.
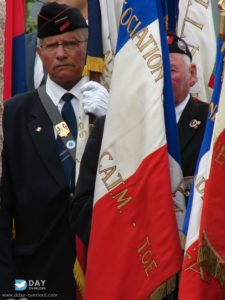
x=191 y=114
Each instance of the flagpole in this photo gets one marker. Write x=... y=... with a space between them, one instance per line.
x=221 y=5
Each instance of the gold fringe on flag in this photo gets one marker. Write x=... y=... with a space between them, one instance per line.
x=211 y=261
x=79 y=277
x=166 y=22
x=183 y=241
x=93 y=64
x=164 y=289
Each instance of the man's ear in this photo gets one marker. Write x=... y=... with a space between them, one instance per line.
x=38 y=51
x=193 y=74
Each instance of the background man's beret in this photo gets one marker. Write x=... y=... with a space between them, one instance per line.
x=54 y=19
x=177 y=44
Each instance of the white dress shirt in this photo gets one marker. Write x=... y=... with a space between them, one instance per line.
x=55 y=92
x=179 y=108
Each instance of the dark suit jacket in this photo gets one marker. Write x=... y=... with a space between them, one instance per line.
x=190 y=138
x=34 y=192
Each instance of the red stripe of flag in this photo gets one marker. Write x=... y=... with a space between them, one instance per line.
x=14 y=64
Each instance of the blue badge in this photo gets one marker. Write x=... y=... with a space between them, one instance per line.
x=70 y=144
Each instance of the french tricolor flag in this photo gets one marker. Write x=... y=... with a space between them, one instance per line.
x=14 y=50
x=134 y=249
x=195 y=283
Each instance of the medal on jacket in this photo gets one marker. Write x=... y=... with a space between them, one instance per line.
x=194 y=123
x=62 y=129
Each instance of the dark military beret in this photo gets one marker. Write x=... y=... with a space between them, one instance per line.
x=54 y=19
x=177 y=44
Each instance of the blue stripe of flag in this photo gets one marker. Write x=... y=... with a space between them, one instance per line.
x=173 y=14
x=18 y=65
x=94 y=29
x=169 y=109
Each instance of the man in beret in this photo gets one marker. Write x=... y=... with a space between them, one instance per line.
x=191 y=114
x=39 y=154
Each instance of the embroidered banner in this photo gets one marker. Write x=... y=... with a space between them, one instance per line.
x=196 y=284
x=134 y=245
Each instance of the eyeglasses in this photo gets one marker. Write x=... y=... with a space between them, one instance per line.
x=67 y=46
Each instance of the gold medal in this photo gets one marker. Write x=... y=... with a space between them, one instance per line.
x=62 y=129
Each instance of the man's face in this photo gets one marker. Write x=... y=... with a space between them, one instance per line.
x=183 y=77
x=63 y=64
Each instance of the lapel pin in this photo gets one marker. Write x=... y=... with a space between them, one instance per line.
x=38 y=129
x=194 y=123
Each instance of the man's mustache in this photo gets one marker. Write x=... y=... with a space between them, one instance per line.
x=64 y=64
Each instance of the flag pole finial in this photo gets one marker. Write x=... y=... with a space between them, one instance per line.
x=221 y=5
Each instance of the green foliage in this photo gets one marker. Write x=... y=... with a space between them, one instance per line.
x=30 y=25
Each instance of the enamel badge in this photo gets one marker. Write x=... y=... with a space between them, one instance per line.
x=194 y=123
x=62 y=129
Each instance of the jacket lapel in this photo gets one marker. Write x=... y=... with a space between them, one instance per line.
x=185 y=129
x=42 y=134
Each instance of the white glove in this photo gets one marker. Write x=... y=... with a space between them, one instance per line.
x=95 y=98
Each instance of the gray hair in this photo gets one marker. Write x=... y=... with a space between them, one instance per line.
x=187 y=60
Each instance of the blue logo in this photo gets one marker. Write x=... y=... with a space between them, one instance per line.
x=20 y=285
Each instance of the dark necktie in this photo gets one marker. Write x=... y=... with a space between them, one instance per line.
x=69 y=117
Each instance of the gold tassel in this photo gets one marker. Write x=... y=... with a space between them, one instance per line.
x=79 y=276
x=164 y=289
x=166 y=22
x=211 y=261
x=95 y=64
